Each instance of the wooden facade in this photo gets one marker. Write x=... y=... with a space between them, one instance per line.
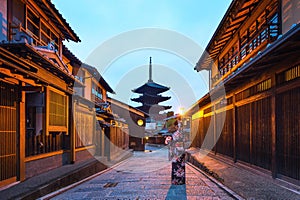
x=253 y=56
x=53 y=108
x=135 y=119
x=36 y=86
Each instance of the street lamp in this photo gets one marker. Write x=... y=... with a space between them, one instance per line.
x=140 y=122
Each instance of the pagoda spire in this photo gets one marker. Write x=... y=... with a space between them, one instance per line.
x=150 y=71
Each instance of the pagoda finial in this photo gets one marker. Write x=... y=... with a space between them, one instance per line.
x=150 y=71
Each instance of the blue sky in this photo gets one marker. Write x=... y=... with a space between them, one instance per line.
x=101 y=22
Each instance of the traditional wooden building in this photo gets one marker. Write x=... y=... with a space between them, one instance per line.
x=136 y=120
x=254 y=56
x=53 y=108
x=98 y=129
x=92 y=116
x=36 y=86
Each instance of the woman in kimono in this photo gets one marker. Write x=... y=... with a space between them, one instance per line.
x=177 y=155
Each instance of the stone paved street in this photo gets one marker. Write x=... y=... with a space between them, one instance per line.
x=145 y=176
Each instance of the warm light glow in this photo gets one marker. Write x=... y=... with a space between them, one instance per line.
x=181 y=110
x=147 y=138
x=140 y=122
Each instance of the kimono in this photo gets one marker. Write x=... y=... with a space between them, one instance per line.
x=177 y=156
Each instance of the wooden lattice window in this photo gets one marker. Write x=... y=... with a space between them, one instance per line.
x=258 y=88
x=292 y=73
x=38 y=28
x=57 y=111
x=33 y=24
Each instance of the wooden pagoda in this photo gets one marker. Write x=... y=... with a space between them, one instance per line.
x=150 y=96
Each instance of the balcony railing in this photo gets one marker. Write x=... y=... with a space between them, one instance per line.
x=256 y=43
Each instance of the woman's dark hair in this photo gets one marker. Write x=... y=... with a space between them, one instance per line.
x=176 y=123
x=173 y=127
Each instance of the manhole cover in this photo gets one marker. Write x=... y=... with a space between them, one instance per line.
x=110 y=185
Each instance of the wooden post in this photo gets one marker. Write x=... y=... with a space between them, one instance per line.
x=72 y=132
x=234 y=128
x=273 y=127
x=215 y=128
x=21 y=132
x=250 y=132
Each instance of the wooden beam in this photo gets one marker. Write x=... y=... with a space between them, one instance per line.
x=15 y=76
x=234 y=128
x=21 y=132
x=220 y=45
x=12 y=57
x=72 y=134
x=33 y=88
x=248 y=7
x=242 y=17
x=251 y=134
x=215 y=128
x=273 y=128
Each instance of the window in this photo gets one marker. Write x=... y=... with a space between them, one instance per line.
x=97 y=93
x=40 y=31
x=58 y=107
x=84 y=121
x=45 y=123
x=48 y=36
x=33 y=24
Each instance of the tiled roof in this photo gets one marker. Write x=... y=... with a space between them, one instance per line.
x=51 y=11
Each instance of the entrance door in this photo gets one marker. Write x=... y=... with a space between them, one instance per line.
x=8 y=133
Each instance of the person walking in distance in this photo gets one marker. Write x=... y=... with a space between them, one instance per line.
x=177 y=154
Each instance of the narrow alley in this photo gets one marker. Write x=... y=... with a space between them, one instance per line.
x=146 y=175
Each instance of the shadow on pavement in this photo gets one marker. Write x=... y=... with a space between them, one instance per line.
x=177 y=192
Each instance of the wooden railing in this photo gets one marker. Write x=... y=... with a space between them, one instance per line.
x=258 y=42
x=39 y=144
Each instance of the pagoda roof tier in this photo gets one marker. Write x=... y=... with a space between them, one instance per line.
x=151 y=88
x=150 y=98
x=154 y=108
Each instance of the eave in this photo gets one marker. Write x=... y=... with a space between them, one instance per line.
x=149 y=97
x=95 y=74
x=151 y=87
x=54 y=15
x=273 y=56
x=34 y=57
x=127 y=107
x=236 y=14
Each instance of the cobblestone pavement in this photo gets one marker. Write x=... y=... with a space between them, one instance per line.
x=146 y=175
x=247 y=182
